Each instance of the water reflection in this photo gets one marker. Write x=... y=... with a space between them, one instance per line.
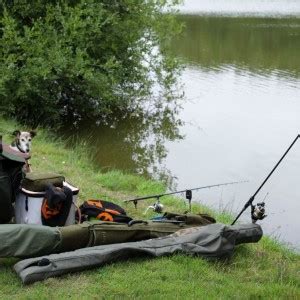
x=134 y=144
x=263 y=45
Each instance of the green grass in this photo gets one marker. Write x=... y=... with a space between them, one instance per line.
x=267 y=269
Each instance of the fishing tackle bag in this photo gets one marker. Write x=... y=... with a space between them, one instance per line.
x=56 y=205
x=103 y=211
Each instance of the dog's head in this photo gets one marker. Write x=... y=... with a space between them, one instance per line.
x=23 y=140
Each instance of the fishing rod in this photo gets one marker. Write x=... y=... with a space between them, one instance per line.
x=188 y=195
x=258 y=211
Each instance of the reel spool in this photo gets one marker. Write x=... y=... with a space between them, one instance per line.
x=258 y=212
x=157 y=207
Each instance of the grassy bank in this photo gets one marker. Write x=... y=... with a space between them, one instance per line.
x=263 y=270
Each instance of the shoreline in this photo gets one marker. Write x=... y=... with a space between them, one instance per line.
x=266 y=269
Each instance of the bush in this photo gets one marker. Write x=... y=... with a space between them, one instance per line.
x=72 y=60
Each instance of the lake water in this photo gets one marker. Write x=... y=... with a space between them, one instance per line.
x=241 y=111
x=242 y=108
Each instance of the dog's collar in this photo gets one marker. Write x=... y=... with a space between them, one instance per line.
x=15 y=144
x=20 y=149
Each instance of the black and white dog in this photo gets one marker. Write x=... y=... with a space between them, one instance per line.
x=22 y=143
x=22 y=140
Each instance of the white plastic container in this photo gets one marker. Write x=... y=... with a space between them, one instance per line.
x=28 y=206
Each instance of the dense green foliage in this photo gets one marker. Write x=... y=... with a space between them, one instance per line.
x=72 y=60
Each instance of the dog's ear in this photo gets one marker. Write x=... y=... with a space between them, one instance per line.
x=32 y=133
x=16 y=133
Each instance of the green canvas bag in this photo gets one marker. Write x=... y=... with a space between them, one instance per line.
x=24 y=240
x=11 y=174
x=38 y=181
x=6 y=197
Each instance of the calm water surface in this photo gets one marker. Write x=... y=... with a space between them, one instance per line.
x=241 y=112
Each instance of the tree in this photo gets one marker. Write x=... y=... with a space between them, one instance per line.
x=83 y=59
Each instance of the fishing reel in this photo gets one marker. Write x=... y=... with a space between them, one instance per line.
x=157 y=207
x=258 y=212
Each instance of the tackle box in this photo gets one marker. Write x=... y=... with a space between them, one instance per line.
x=28 y=206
